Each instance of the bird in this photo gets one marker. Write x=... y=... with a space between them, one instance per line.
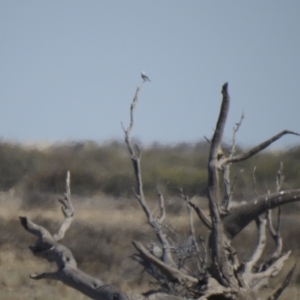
x=145 y=77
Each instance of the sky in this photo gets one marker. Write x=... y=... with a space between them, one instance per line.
x=69 y=69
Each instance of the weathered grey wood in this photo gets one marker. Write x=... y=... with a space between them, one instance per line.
x=226 y=277
x=47 y=246
x=135 y=156
x=173 y=274
x=67 y=272
x=240 y=217
x=223 y=270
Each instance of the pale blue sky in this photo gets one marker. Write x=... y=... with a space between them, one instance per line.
x=69 y=69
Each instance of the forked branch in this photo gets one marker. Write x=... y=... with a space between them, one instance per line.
x=47 y=247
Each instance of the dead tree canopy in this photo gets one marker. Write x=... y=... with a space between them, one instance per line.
x=192 y=267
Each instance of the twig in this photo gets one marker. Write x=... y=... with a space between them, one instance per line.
x=235 y=130
x=228 y=188
x=254 y=182
x=201 y=215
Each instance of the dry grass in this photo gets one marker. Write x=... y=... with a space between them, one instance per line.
x=100 y=239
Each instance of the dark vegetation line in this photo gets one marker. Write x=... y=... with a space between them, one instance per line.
x=105 y=168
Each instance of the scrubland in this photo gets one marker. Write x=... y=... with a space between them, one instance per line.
x=108 y=218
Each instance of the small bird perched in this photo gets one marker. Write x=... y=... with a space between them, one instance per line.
x=145 y=77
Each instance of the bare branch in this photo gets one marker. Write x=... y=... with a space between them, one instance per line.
x=47 y=247
x=201 y=215
x=262 y=238
x=254 y=182
x=136 y=159
x=261 y=279
x=208 y=140
x=235 y=130
x=220 y=261
x=67 y=272
x=161 y=206
x=275 y=233
x=240 y=217
x=200 y=261
x=68 y=211
x=173 y=274
x=132 y=107
x=227 y=193
x=286 y=282
x=217 y=137
x=236 y=177
x=258 y=148
x=35 y=229
x=135 y=155
x=229 y=189
x=226 y=170
x=279 y=177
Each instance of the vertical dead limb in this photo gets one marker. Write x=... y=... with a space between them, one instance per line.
x=275 y=233
x=226 y=169
x=135 y=155
x=161 y=206
x=227 y=191
x=221 y=265
x=254 y=182
x=262 y=238
x=235 y=130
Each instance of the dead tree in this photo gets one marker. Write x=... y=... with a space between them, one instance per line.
x=216 y=271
